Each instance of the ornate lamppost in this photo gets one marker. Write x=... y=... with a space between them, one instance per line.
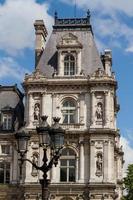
x=52 y=137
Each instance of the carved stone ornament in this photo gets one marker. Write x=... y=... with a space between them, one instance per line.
x=69 y=40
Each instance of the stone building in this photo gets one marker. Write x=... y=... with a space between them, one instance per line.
x=72 y=81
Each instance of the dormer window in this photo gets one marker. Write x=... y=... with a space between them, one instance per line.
x=69 y=55
x=69 y=65
x=6 y=118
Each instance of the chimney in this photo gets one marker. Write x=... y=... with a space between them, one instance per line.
x=41 y=34
x=107 y=61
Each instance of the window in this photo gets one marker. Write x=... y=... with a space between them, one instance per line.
x=5 y=149
x=4 y=172
x=69 y=112
x=7 y=122
x=67 y=166
x=69 y=65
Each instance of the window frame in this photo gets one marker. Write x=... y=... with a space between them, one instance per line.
x=6 y=171
x=69 y=65
x=69 y=111
x=68 y=167
x=6 y=121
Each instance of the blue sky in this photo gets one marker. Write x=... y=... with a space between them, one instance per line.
x=113 y=29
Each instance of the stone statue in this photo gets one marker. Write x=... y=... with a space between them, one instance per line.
x=37 y=112
x=99 y=164
x=99 y=111
x=35 y=161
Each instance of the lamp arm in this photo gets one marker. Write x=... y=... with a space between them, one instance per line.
x=33 y=164
x=54 y=159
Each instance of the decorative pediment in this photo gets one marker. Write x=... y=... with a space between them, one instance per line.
x=69 y=41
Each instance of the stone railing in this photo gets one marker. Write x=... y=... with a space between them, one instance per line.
x=72 y=126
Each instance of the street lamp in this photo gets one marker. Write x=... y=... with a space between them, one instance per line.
x=52 y=137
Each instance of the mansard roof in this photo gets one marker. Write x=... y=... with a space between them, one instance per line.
x=79 y=29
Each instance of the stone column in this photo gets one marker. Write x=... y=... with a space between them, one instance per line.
x=81 y=161
x=78 y=62
x=92 y=161
x=53 y=105
x=30 y=102
x=54 y=174
x=106 y=113
x=86 y=160
x=105 y=161
x=77 y=169
x=111 y=167
x=81 y=112
x=15 y=177
x=26 y=109
x=59 y=63
x=92 y=108
x=43 y=104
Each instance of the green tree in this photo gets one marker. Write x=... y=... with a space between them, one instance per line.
x=128 y=182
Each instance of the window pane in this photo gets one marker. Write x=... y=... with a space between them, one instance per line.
x=7 y=176
x=64 y=152
x=9 y=123
x=63 y=174
x=72 y=162
x=5 y=149
x=1 y=173
x=71 y=119
x=71 y=174
x=71 y=152
x=63 y=162
x=65 y=120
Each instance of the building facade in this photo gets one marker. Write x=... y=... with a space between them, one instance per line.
x=72 y=81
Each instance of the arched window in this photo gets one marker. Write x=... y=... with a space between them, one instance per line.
x=69 y=65
x=68 y=165
x=69 y=112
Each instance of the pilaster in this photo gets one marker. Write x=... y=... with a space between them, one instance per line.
x=92 y=161
x=92 y=108
x=81 y=175
x=106 y=167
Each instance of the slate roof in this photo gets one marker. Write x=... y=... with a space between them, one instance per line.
x=81 y=28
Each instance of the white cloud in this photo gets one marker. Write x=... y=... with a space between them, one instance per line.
x=128 y=153
x=16 y=23
x=107 y=22
x=10 y=69
x=105 y=6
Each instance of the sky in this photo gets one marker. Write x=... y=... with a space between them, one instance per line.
x=112 y=23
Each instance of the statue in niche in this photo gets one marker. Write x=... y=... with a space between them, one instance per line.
x=99 y=111
x=99 y=164
x=35 y=161
x=37 y=111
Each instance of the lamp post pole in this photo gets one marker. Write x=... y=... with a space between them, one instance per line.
x=48 y=137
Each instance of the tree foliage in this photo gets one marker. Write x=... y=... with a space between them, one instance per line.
x=128 y=182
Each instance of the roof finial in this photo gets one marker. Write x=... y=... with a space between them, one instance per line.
x=75 y=9
x=88 y=15
x=55 y=15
